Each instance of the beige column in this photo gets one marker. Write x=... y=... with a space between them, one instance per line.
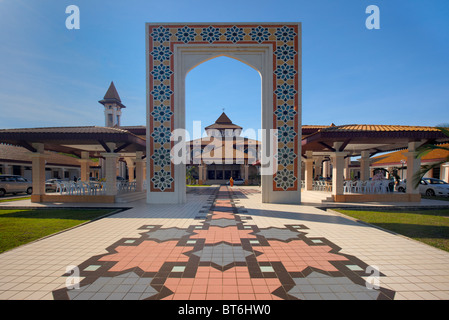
x=319 y=166
x=38 y=171
x=131 y=166
x=7 y=169
x=347 y=171
x=413 y=166
x=338 y=166
x=445 y=172
x=84 y=163
x=110 y=163
x=204 y=172
x=309 y=170
x=140 y=177
x=326 y=169
x=246 y=173
x=201 y=174
x=364 y=166
x=102 y=169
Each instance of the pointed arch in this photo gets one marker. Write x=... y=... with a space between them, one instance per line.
x=273 y=49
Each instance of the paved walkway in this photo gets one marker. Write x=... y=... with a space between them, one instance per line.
x=225 y=244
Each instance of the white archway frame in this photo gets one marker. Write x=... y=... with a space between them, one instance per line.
x=174 y=49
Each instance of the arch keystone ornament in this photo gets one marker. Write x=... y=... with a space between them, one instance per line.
x=274 y=50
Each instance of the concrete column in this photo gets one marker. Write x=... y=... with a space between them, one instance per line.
x=38 y=170
x=140 y=177
x=309 y=170
x=347 y=172
x=318 y=166
x=131 y=176
x=121 y=170
x=204 y=172
x=84 y=163
x=7 y=169
x=110 y=160
x=364 y=166
x=131 y=166
x=246 y=173
x=445 y=172
x=102 y=172
x=338 y=165
x=413 y=166
x=326 y=169
x=201 y=174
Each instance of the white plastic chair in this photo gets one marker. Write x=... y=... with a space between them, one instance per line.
x=357 y=187
x=59 y=187
x=347 y=186
x=363 y=186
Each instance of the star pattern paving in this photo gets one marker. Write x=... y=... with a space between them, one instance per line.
x=224 y=256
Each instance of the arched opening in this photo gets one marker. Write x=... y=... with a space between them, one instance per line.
x=173 y=50
x=223 y=100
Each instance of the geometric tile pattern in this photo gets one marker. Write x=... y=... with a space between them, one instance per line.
x=128 y=286
x=222 y=222
x=284 y=41
x=279 y=234
x=167 y=234
x=318 y=286
x=149 y=256
x=238 y=261
x=222 y=254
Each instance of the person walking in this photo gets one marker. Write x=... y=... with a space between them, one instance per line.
x=231 y=182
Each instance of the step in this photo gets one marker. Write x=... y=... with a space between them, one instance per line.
x=327 y=200
x=129 y=197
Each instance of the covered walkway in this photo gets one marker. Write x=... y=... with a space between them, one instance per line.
x=327 y=151
x=108 y=144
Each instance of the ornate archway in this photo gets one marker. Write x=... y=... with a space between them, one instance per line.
x=273 y=49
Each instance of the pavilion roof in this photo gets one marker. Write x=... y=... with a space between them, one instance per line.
x=74 y=139
x=373 y=138
x=394 y=158
x=223 y=122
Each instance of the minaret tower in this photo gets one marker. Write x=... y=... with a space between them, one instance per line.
x=112 y=107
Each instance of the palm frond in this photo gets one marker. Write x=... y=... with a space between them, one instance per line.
x=444 y=129
x=424 y=169
x=425 y=149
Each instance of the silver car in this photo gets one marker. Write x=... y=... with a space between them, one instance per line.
x=428 y=187
x=14 y=184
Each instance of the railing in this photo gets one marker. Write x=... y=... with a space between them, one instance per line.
x=321 y=185
x=92 y=187
x=80 y=187
x=369 y=186
x=126 y=186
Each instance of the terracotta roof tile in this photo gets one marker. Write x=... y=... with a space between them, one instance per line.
x=396 y=157
x=90 y=129
x=384 y=128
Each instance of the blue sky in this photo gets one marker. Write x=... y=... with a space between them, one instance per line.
x=52 y=76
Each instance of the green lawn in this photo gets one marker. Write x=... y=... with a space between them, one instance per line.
x=428 y=226
x=18 y=227
x=14 y=199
